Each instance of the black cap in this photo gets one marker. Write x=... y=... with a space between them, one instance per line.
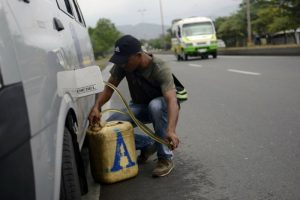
x=125 y=46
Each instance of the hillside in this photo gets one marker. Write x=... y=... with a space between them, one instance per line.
x=142 y=30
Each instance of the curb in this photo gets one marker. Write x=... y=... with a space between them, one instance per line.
x=293 y=50
x=262 y=51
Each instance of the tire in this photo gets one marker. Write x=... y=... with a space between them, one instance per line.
x=70 y=186
x=215 y=55
x=178 y=58
x=186 y=57
x=204 y=56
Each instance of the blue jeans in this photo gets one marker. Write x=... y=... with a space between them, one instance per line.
x=156 y=113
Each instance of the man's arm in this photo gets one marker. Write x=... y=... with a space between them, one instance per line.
x=102 y=98
x=173 y=113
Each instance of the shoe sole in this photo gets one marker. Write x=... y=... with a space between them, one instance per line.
x=164 y=174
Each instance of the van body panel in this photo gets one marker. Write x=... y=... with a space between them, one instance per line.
x=37 y=65
x=56 y=51
x=15 y=151
x=14 y=127
x=46 y=161
x=32 y=52
x=8 y=62
x=16 y=171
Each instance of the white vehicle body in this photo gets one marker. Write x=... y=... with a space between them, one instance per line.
x=38 y=39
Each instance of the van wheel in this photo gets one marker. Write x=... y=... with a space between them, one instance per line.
x=70 y=186
x=178 y=57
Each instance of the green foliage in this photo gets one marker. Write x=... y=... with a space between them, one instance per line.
x=267 y=18
x=232 y=29
x=161 y=42
x=103 y=37
x=292 y=10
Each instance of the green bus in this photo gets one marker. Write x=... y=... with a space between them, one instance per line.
x=194 y=36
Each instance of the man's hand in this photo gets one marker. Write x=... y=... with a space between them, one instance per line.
x=94 y=115
x=173 y=139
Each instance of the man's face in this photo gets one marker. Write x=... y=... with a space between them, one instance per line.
x=133 y=63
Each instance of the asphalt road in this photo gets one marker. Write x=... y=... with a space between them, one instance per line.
x=239 y=131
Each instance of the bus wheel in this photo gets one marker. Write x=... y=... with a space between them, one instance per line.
x=186 y=57
x=178 y=57
x=70 y=186
x=215 y=55
x=204 y=56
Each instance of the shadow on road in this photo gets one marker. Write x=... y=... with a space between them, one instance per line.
x=188 y=180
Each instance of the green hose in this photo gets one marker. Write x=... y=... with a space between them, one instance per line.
x=141 y=126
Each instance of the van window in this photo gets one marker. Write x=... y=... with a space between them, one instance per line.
x=65 y=6
x=78 y=16
x=200 y=28
x=179 y=32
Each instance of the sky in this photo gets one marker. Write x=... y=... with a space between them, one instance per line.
x=132 y=12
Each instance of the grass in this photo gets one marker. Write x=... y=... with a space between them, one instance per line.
x=102 y=62
x=265 y=47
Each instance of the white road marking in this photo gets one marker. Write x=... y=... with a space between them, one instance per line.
x=195 y=65
x=243 y=72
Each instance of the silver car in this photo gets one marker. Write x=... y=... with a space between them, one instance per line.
x=41 y=133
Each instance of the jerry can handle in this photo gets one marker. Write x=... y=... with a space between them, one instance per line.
x=96 y=126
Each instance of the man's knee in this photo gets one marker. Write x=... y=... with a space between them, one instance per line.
x=156 y=106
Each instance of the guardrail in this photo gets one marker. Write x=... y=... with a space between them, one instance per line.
x=291 y=50
x=282 y=50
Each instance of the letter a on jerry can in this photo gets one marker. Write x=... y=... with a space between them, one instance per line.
x=112 y=152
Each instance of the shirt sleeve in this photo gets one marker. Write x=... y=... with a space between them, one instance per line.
x=164 y=77
x=117 y=72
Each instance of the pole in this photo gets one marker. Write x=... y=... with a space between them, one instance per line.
x=162 y=24
x=249 y=41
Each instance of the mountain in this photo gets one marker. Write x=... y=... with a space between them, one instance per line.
x=142 y=30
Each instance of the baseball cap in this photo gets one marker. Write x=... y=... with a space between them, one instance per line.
x=125 y=46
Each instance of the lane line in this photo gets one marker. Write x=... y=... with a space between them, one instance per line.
x=244 y=72
x=195 y=65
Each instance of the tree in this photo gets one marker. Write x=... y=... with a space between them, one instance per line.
x=291 y=8
x=232 y=29
x=267 y=18
x=103 y=37
x=158 y=44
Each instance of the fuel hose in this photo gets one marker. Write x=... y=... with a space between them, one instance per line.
x=139 y=124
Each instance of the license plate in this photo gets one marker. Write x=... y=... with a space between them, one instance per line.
x=201 y=50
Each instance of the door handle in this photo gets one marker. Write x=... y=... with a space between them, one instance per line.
x=58 y=25
x=26 y=1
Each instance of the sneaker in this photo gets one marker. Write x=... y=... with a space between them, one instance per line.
x=146 y=153
x=163 y=167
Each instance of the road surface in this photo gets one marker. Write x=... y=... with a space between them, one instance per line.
x=239 y=131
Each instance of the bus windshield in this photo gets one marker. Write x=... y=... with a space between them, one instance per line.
x=203 y=28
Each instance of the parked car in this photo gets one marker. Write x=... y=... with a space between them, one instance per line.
x=221 y=43
x=41 y=133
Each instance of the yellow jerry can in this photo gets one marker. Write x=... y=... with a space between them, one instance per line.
x=112 y=151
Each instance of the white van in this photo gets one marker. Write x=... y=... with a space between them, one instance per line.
x=193 y=36
x=41 y=133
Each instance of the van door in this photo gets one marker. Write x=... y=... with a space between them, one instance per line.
x=35 y=40
x=37 y=48
x=79 y=54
